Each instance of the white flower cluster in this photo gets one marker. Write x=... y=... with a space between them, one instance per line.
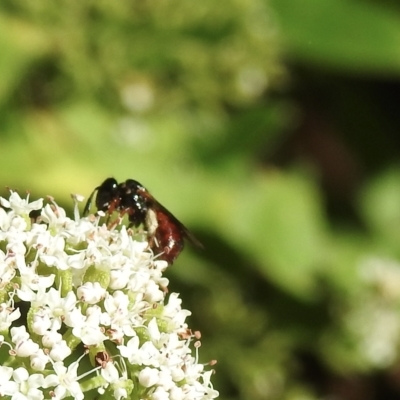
x=83 y=313
x=373 y=316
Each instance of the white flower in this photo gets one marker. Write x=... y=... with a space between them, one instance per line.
x=50 y=338
x=110 y=373
x=39 y=360
x=5 y=220
x=149 y=355
x=41 y=321
x=59 y=306
x=65 y=381
x=160 y=394
x=165 y=379
x=90 y=292
x=176 y=393
x=89 y=330
x=21 y=206
x=24 y=345
x=120 y=393
x=27 y=385
x=153 y=293
x=60 y=351
x=74 y=318
x=173 y=312
x=7 y=387
x=7 y=316
x=30 y=279
x=130 y=351
x=117 y=312
x=148 y=377
x=54 y=216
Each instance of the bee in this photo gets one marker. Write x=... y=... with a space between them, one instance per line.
x=165 y=233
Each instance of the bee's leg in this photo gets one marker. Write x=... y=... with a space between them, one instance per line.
x=89 y=203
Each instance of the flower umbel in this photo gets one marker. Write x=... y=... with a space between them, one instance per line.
x=84 y=312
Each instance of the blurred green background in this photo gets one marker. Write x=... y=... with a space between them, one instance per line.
x=271 y=129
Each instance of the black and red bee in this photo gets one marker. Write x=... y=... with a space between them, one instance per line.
x=165 y=232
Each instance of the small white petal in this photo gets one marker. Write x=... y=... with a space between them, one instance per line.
x=39 y=360
x=148 y=377
x=60 y=351
x=110 y=373
x=20 y=375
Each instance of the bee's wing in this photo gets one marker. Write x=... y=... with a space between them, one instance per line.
x=152 y=202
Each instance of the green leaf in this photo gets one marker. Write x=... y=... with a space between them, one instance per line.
x=279 y=221
x=21 y=43
x=356 y=36
x=380 y=206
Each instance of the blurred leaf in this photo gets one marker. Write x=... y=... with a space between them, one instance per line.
x=345 y=250
x=354 y=36
x=279 y=223
x=247 y=134
x=20 y=44
x=380 y=206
